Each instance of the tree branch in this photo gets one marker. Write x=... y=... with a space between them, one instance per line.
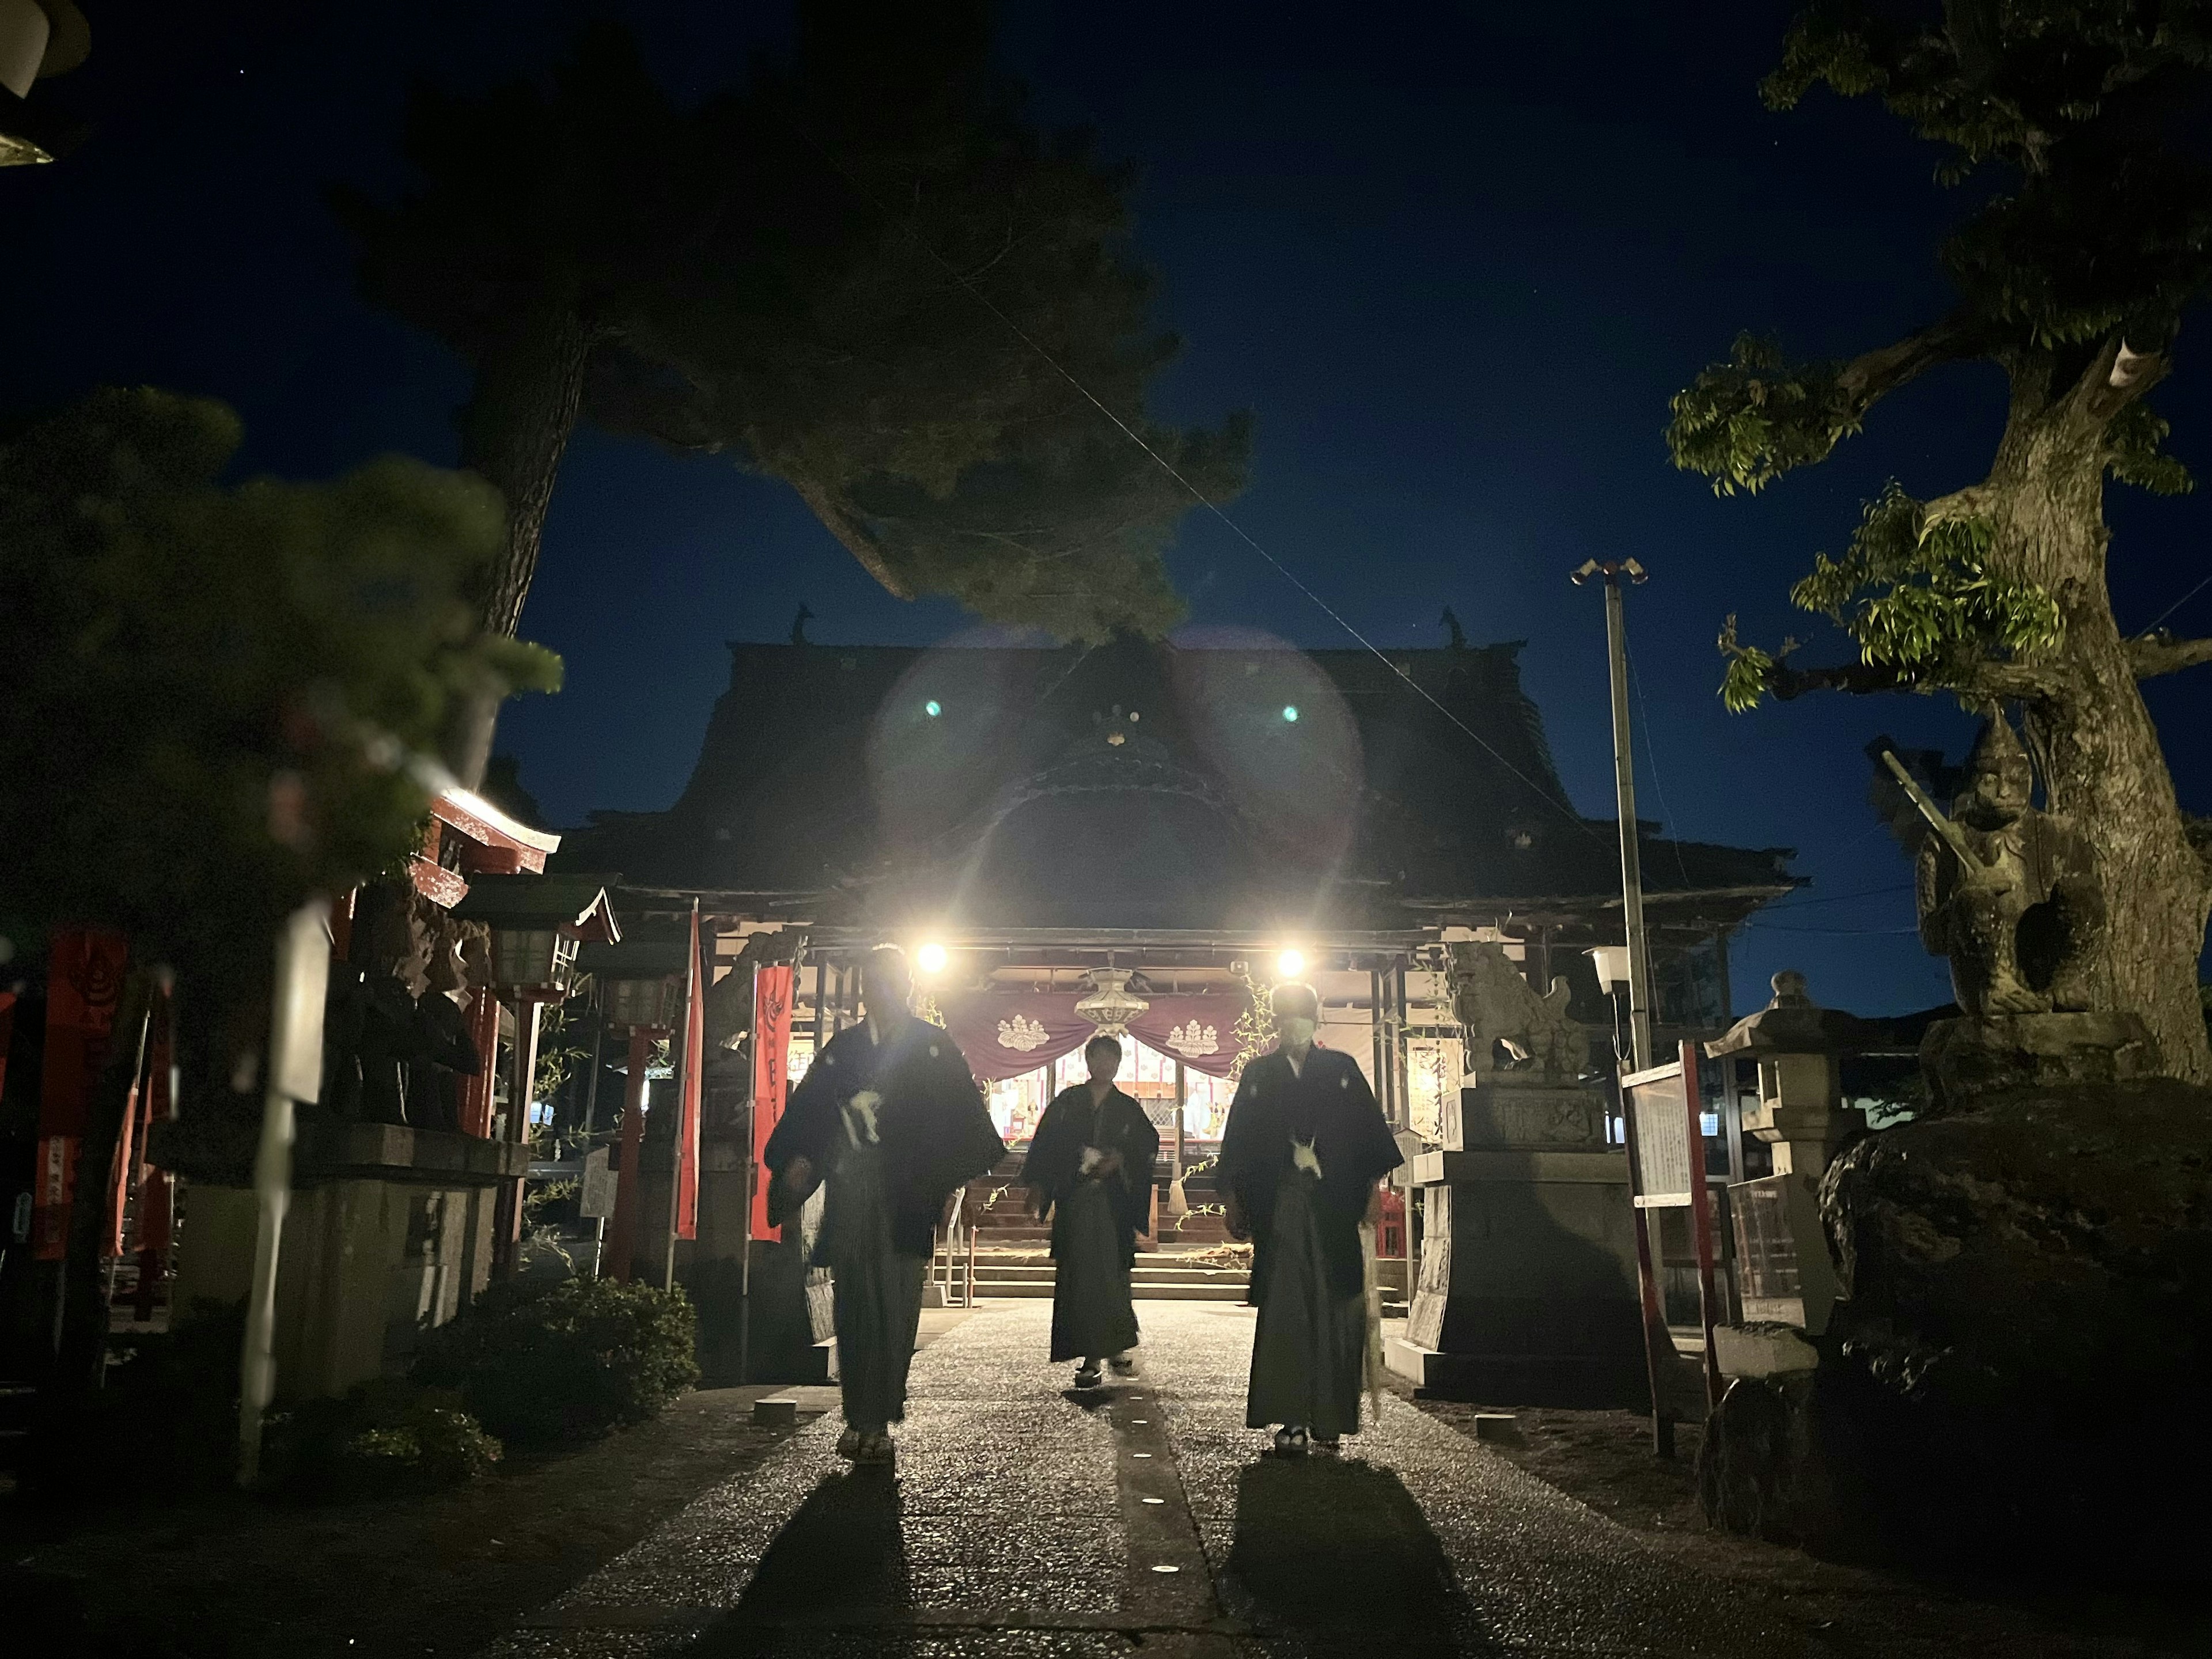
x=856 y=538
x=1873 y=375
x=1988 y=681
x=2116 y=377
x=2162 y=654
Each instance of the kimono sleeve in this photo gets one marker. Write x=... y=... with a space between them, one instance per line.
x=972 y=1145
x=1373 y=1149
x=1243 y=1157
x=810 y=1116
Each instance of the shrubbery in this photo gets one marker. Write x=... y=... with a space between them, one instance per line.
x=540 y=1363
x=385 y=1439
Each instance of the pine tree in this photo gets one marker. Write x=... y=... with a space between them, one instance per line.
x=854 y=273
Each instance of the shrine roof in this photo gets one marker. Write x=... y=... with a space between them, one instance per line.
x=1219 y=785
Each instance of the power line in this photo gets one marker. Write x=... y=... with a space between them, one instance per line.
x=2175 y=606
x=1839 y=898
x=1199 y=496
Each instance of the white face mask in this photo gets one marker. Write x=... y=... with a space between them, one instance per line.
x=1297 y=1032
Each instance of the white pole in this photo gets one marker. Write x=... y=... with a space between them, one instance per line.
x=295 y=1074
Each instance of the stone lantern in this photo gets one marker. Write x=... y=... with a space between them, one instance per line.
x=1801 y=1116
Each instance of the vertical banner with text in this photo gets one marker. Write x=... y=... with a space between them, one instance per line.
x=84 y=983
x=772 y=988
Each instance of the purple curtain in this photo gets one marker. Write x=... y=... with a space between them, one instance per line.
x=1201 y=1031
x=1005 y=1035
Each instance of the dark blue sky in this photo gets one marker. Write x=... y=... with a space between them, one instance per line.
x=1454 y=264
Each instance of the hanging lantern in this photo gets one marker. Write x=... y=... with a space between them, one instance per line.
x=1112 y=1004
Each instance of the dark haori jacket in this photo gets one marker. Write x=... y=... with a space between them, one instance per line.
x=1331 y=1106
x=935 y=1132
x=1055 y=1165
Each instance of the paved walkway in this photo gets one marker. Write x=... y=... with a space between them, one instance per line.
x=1025 y=1524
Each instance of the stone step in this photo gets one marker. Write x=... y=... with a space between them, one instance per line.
x=1040 y=1290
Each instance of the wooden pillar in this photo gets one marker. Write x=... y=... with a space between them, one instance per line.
x=506 y=1223
x=622 y=1234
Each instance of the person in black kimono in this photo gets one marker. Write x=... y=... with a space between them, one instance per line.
x=890 y=1115
x=1303 y=1147
x=1090 y=1169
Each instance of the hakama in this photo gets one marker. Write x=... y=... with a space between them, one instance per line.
x=1093 y=1316
x=876 y=1292
x=1310 y=1350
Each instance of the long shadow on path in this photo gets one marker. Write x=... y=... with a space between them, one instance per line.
x=840 y=1559
x=1338 y=1558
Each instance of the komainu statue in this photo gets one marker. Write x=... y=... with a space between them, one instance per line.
x=1498 y=1009
x=2004 y=890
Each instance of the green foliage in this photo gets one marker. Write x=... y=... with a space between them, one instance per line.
x=2132 y=441
x=1746 y=421
x=213 y=690
x=547 y=1202
x=2082 y=110
x=1916 y=595
x=833 y=273
x=385 y=1439
x=543 y=1362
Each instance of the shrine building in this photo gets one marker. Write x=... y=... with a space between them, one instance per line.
x=1150 y=829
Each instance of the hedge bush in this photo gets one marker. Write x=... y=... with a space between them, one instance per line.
x=542 y=1363
x=385 y=1439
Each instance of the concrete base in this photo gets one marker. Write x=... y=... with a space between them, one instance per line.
x=389 y=1232
x=1526 y=1292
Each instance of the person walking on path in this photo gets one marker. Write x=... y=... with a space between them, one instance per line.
x=1301 y=1151
x=1090 y=1169
x=889 y=1112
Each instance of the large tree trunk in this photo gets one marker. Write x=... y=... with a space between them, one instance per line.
x=2102 y=763
x=529 y=391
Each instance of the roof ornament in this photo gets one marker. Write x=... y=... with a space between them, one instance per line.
x=798 y=625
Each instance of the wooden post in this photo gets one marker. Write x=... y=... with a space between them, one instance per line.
x=506 y=1224
x=622 y=1236
x=1658 y=1340
x=1701 y=1220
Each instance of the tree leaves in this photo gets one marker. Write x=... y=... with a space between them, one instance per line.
x=1746 y=421
x=862 y=271
x=215 y=691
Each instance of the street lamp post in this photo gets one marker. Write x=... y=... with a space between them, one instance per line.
x=1624 y=783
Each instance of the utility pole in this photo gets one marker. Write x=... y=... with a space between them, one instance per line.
x=1623 y=781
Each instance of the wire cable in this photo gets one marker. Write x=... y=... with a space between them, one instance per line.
x=1199 y=495
x=2175 y=606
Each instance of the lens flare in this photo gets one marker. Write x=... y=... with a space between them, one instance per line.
x=1289 y=965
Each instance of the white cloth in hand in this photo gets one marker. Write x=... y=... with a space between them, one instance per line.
x=861 y=1117
x=1302 y=1157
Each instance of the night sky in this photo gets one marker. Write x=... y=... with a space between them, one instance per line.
x=1454 y=264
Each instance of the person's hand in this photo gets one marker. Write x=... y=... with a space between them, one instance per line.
x=1240 y=1224
x=788 y=1189
x=1110 y=1163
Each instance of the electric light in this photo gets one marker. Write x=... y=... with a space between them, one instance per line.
x=1290 y=712
x=933 y=709
x=1289 y=965
x=930 y=958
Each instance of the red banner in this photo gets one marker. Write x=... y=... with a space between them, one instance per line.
x=772 y=995
x=694 y=1068
x=84 y=984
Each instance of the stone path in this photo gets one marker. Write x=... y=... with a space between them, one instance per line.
x=1024 y=1523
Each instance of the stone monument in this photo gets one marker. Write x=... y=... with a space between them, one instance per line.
x=1526 y=1292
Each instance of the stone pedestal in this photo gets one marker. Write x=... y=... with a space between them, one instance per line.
x=389 y=1231
x=1966 y=1058
x=787 y=1304
x=1526 y=1290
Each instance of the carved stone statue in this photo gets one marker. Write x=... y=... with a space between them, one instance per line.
x=2004 y=890
x=1497 y=1009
